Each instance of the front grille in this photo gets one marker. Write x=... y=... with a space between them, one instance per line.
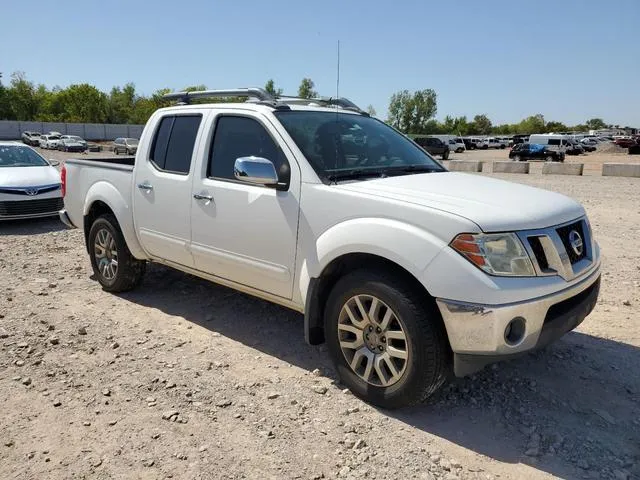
x=538 y=251
x=564 y=233
x=31 y=207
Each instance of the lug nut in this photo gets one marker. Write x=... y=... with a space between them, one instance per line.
x=384 y=339
x=380 y=348
x=370 y=328
x=378 y=329
x=366 y=336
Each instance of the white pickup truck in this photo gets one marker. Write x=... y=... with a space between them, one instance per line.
x=406 y=271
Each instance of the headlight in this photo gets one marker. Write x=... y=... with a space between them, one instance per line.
x=495 y=253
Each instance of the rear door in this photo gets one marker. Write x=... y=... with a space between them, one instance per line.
x=162 y=187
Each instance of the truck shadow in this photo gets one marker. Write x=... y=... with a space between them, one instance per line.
x=32 y=226
x=551 y=409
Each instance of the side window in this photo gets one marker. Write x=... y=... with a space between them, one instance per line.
x=236 y=137
x=173 y=144
x=553 y=141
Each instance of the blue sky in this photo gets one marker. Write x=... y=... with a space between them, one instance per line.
x=568 y=59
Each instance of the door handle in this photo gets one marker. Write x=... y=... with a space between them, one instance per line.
x=145 y=186
x=208 y=198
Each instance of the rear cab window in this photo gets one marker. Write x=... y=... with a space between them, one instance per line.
x=173 y=143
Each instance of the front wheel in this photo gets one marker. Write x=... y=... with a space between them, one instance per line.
x=517 y=158
x=113 y=265
x=549 y=158
x=386 y=340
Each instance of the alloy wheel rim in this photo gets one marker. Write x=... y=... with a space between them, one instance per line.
x=106 y=254
x=373 y=340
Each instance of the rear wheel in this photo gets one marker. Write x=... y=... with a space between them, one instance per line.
x=386 y=340
x=445 y=155
x=549 y=158
x=114 y=266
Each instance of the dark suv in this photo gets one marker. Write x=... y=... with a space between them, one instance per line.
x=433 y=146
x=528 y=151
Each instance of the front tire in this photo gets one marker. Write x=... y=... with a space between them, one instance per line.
x=386 y=340
x=113 y=265
x=517 y=158
x=549 y=158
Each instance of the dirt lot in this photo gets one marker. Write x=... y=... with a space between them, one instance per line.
x=185 y=379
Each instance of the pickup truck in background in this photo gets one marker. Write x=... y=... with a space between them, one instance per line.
x=407 y=271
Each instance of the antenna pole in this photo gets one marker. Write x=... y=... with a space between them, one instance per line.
x=338 y=76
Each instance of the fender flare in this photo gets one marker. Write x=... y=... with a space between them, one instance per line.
x=110 y=196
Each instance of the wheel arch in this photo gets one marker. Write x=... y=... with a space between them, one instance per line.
x=103 y=198
x=320 y=287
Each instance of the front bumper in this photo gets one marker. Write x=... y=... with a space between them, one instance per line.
x=478 y=333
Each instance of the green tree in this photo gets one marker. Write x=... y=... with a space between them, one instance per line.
x=270 y=87
x=595 y=124
x=306 y=89
x=481 y=125
x=122 y=103
x=84 y=103
x=554 y=126
x=410 y=113
x=145 y=106
x=50 y=104
x=532 y=124
x=371 y=111
x=22 y=97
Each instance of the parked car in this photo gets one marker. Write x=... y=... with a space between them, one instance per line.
x=29 y=185
x=49 y=141
x=128 y=146
x=72 y=143
x=434 y=146
x=406 y=271
x=31 y=138
x=94 y=147
x=625 y=142
x=520 y=138
x=493 y=142
x=530 y=151
x=469 y=143
x=574 y=148
x=456 y=145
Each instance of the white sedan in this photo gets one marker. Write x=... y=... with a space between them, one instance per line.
x=30 y=186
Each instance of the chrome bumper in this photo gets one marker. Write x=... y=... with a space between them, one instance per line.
x=64 y=218
x=478 y=333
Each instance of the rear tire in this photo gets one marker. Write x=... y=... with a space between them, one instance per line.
x=445 y=155
x=105 y=239
x=426 y=353
x=549 y=158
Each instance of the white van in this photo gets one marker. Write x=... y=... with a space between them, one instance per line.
x=455 y=143
x=553 y=139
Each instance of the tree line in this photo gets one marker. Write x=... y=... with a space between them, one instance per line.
x=409 y=112
x=23 y=100
x=414 y=113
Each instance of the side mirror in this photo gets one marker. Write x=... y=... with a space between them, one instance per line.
x=256 y=170
x=54 y=163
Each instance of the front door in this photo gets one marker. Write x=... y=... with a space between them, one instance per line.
x=162 y=188
x=240 y=232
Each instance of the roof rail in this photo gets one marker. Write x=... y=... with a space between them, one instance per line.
x=252 y=93
x=260 y=95
x=322 y=101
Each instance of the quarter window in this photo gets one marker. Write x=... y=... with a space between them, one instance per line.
x=173 y=144
x=237 y=137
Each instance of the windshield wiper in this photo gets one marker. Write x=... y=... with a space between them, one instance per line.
x=381 y=172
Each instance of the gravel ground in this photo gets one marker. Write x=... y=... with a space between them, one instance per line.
x=185 y=379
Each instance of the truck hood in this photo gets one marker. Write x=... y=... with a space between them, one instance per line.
x=28 y=176
x=492 y=204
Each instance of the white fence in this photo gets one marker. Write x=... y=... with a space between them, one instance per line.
x=12 y=130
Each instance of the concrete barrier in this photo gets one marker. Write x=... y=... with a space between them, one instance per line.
x=510 y=167
x=557 y=168
x=621 y=169
x=465 y=166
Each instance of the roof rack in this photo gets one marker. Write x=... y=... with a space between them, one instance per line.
x=251 y=93
x=260 y=95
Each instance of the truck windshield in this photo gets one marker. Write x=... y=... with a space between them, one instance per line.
x=345 y=145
